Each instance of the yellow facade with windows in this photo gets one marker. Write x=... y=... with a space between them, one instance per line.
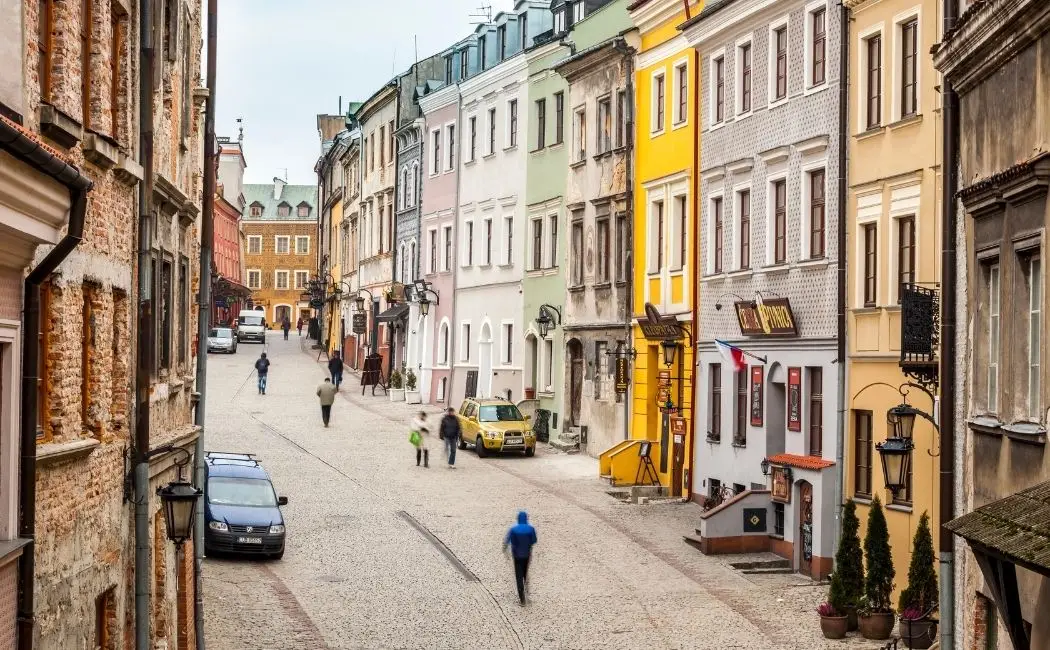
x=894 y=237
x=333 y=329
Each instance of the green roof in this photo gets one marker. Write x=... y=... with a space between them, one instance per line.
x=292 y=195
x=1017 y=527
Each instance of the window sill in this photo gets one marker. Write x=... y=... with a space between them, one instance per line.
x=51 y=453
x=714 y=441
x=870 y=133
x=657 y=133
x=59 y=127
x=557 y=145
x=466 y=163
x=577 y=164
x=576 y=288
x=1029 y=432
x=602 y=154
x=680 y=125
x=866 y=309
x=812 y=90
x=740 y=273
x=776 y=269
x=537 y=150
x=818 y=263
x=740 y=445
x=777 y=103
x=742 y=116
x=906 y=121
x=545 y=394
x=621 y=283
x=862 y=499
x=600 y=286
x=510 y=148
x=489 y=155
x=899 y=507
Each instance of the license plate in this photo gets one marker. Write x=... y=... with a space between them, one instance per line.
x=512 y=441
x=249 y=540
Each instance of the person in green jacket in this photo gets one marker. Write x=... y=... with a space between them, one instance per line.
x=326 y=392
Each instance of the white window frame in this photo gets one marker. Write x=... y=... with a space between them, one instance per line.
x=712 y=90
x=737 y=224
x=444 y=343
x=771 y=227
x=450 y=146
x=808 y=87
x=771 y=65
x=257 y=239
x=507 y=241
x=994 y=312
x=488 y=233
x=447 y=235
x=675 y=265
x=490 y=140
x=896 y=91
x=654 y=196
x=681 y=65
x=656 y=129
x=804 y=218
x=507 y=144
x=899 y=210
x=471 y=155
x=559 y=21
x=579 y=133
x=862 y=222
x=466 y=246
x=258 y=278
x=432 y=262
x=738 y=78
x=1035 y=313
x=299 y=238
x=531 y=249
x=435 y=152
x=863 y=37
x=506 y=343
x=464 y=341
x=277 y=244
x=712 y=196
x=287 y=280
x=579 y=11
x=305 y=276
x=551 y=234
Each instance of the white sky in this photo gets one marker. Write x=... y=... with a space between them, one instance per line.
x=281 y=62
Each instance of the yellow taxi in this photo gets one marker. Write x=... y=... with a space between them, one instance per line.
x=495 y=425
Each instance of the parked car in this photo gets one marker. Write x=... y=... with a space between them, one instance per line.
x=251 y=326
x=242 y=512
x=222 y=339
x=495 y=425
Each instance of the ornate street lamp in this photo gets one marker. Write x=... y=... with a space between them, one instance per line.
x=896 y=459
x=670 y=347
x=901 y=419
x=359 y=303
x=424 y=305
x=765 y=466
x=548 y=317
x=180 y=503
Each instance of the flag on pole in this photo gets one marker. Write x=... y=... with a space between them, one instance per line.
x=732 y=354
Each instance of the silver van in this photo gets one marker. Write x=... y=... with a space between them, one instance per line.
x=251 y=326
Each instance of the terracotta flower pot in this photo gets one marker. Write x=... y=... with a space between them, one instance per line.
x=833 y=627
x=876 y=626
x=918 y=634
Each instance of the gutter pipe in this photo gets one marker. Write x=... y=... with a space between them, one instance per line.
x=840 y=355
x=628 y=53
x=694 y=268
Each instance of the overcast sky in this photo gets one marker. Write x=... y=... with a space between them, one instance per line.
x=281 y=62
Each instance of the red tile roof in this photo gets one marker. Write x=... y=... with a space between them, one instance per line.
x=801 y=462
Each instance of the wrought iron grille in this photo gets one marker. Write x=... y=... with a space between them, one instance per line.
x=920 y=332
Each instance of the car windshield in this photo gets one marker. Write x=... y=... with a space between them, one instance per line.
x=221 y=333
x=499 y=413
x=230 y=491
x=250 y=320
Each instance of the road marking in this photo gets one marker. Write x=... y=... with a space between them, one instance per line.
x=293 y=609
x=440 y=545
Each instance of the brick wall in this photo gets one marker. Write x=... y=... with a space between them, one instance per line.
x=269 y=261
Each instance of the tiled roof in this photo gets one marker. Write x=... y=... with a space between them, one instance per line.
x=1017 y=526
x=801 y=462
x=293 y=195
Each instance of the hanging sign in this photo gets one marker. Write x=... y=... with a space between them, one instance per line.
x=771 y=317
x=657 y=327
x=359 y=321
x=781 y=491
x=794 y=405
x=756 y=396
x=622 y=378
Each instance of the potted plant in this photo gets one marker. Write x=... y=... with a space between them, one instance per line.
x=920 y=598
x=876 y=613
x=832 y=621
x=847 y=582
x=397 y=390
x=412 y=396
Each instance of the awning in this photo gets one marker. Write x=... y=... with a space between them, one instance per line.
x=397 y=312
x=227 y=288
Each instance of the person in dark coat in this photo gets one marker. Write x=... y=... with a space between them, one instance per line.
x=262 y=366
x=450 y=432
x=335 y=368
x=299 y=325
x=285 y=326
x=520 y=539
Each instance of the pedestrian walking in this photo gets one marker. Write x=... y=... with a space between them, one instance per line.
x=520 y=539
x=418 y=437
x=262 y=366
x=299 y=325
x=335 y=368
x=450 y=432
x=326 y=392
x=285 y=326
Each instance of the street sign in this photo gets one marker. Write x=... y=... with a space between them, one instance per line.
x=622 y=378
x=317 y=303
x=359 y=322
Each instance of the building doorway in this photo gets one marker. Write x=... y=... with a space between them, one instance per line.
x=575 y=381
x=805 y=528
x=280 y=312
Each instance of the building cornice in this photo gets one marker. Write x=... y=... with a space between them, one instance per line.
x=377 y=101
x=504 y=71
x=704 y=30
x=648 y=15
x=439 y=99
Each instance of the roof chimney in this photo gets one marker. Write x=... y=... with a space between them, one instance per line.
x=278 y=187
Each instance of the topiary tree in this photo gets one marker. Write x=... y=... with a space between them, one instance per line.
x=847 y=582
x=921 y=592
x=878 y=586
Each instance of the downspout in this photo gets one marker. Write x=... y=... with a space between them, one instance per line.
x=453 y=335
x=694 y=268
x=840 y=342
x=146 y=339
x=204 y=308
x=950 y=186
x=22 y=147
x=391 y=327
x=628 y=53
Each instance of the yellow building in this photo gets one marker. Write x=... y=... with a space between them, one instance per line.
x=665 y=237
x=893 y=230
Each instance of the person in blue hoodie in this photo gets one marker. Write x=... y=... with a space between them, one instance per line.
x=520 y=539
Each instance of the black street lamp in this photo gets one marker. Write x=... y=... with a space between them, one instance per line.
x=420 y=292
x=548 y=317
x=765 y=466
x=901 y=419
x=896 y=450
x=670 y=347
x=180 y=503
x=896 y=459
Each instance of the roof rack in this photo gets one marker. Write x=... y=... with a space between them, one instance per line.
x=231 y=455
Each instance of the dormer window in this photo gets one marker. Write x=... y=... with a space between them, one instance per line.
x=481 y=53
x=501 y=41
x=559 y=21
x=463 y=66
x=284 y=210
x=256 y=210
x=304 y=210
x=577 y=11
x=523 y=30
x=448 y=69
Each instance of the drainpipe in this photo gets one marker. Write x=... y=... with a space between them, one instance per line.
x=950 y=185
x=145 y=350
x=204 y=308
x=694 y=266
x=628 y=53
x=840 y=355
x=25 y=149
x=453 y=334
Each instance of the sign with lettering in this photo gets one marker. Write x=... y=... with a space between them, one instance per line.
x=623 y=379
x=678 y=426
x=756 y=396
x=781 y=491
x=657 y=327
x=794 y=397
x=772 y=317
x=359 y=322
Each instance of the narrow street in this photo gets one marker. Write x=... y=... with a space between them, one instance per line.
x=382 y=554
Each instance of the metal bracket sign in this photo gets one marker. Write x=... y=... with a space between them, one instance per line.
x=657 y=327
x=623 y=379
x=359 y=322
x=771 y=317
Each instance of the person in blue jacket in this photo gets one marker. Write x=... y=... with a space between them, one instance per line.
x=520 y=539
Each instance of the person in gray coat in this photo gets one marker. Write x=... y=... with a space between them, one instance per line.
x=326 y=392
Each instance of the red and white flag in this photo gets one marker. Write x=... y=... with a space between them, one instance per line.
x=732 y=354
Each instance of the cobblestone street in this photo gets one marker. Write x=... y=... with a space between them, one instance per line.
x=382 y=554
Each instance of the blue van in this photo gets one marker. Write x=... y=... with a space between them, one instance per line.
x=242 y=512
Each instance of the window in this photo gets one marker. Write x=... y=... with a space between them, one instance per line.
x=622 y=247
x=720 y=89
x=993 y=337
x=87 y=20
x=45 y=46
x=744 y=61
x=87 y=348
x=905 y=252
x=482 y=54
x=604 y=124
x=780 y=39
x=508 y=343
x=450 y=133
x=559 y=21
x=548 y=357
x=1034 y=279
x=256 y=210
x=448 y=249
x=745 y=229
x=621 y=118
x=816 y=213
x=541 y=123
x=284 y=210
x=537 y=244
x=716 y=209
x=909 y=67
x=301 y=278
x=874 y=80
x=778 y=519
x=254 y=244
x=714 y=433
x=444 y=344
x=740 y=431
x=552 y=233
x=492 y=130
x=164 y=313
x=435 y=144
x=280 y=280
x=501 y=41
x=603 y=249
x=281 y=243
x=463 y=66
x=464 y=342
x=577 y=250
x=681 y=233
x=116 y=68
x=659 y=103
x=871 y=244
x=681 y=82
x=523 y=30
x=432 y=260
x=468 y=244
x=508 y=231
x=862 y=453
x=473 y=138
x=559 y=118
x=816 y=411
x=106 y=627
x=512 y=138
x=577 y=11
x=488 y=242
x=254 y=279
x=779 y=221
x=818 y=47
x=302 y=245
x=392 y=141
x=448 y=70
x=382 y=148
x=304 y=211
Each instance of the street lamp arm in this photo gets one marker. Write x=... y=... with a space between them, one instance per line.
x=552 y=308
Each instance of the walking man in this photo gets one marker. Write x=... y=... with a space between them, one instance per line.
x=262 y=366
x=335 y=367
x=326 y=392
x=450 y=432
x=520 y=538
x=285 y=326
x=299 y=325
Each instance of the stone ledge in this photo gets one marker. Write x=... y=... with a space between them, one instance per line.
x=52 y=453
x=100 y=150
x=11 y=549
x=58 y=126
x=128 y=171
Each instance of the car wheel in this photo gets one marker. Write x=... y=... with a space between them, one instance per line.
x=462 y=443
x=530 y=451
x=278 y=555
x=479 y=447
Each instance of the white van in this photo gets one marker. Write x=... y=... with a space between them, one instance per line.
x=251 y=326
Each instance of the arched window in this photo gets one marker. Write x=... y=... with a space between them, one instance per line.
x=413 y=262
x=404 y=188
x=410 y=190
x=418 y=176
x=401 y=254
x=443 y=350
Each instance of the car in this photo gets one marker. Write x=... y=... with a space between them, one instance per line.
x=222 y=339
x=251 y=325
x=242 y=512
x=495 y=425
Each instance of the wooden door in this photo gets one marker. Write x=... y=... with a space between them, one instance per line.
x=575 y=382
x=805 y=528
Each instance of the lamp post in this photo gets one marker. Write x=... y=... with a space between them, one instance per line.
x=896 y=451
x=548 y=317
x=670 y=347
x=359 y=301
x=421 y=293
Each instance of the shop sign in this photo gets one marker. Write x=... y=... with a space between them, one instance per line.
x=359 y=322
x=794 y=399
x=781 y=492
x=622 y=378
x=756 y=396
x=678 y=427
x=772 y=317
x=317 y=303
x=657 y=327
